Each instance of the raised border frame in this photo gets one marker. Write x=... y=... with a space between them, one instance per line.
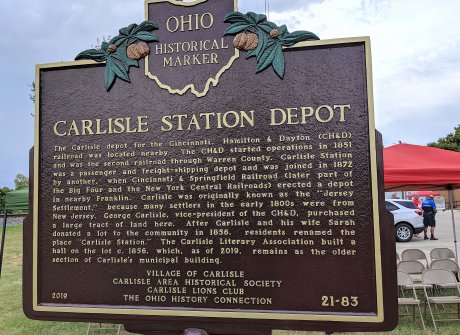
x=265 y=315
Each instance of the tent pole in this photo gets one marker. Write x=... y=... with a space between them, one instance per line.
x=3 y=240
x=451 y=202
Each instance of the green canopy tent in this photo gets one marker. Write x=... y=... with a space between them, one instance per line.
x=15 y=202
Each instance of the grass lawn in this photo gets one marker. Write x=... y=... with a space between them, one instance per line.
x=13 y=321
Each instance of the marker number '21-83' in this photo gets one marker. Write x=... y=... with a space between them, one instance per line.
x=330 y=301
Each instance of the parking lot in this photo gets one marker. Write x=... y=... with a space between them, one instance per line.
x=444 y=233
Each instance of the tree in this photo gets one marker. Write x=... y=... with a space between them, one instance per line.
x=99 y=42
x=450 y=142
x=3 y=192
x=32 y=92
x=32 y=95
x=21 y=181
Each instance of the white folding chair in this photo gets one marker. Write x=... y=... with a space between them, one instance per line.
x=446 y=264
x=404 y=280
x=414 y=269
x=415 y=255
x=441 y=278
x=441 y=253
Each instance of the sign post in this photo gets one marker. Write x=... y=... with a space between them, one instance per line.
x=210 y=169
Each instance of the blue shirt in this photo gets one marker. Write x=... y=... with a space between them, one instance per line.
x=429 y=203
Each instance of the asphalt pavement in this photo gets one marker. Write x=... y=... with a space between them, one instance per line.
x=444 y=232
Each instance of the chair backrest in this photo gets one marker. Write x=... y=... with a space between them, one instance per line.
x=411 y=267
x=413 y=255
x=447 y=264
x=438 y=277
x=404 y=278
x=441 y=253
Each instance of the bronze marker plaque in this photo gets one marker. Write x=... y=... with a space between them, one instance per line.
x=201 y=192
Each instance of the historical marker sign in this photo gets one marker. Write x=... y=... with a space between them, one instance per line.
x=200 y=191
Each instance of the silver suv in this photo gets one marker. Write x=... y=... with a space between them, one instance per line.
x=408 y=219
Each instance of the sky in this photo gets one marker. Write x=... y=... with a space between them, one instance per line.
x=415 y=57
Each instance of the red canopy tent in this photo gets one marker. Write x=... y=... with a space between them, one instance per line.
x=416 y=167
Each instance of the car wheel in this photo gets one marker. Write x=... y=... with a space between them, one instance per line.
x=404 y=232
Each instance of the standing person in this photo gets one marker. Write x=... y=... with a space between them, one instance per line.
x=417 y=204
x=429 y=212
x=416 y=201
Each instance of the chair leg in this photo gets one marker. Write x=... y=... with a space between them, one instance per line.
x=432 y=316
x=421 y=318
